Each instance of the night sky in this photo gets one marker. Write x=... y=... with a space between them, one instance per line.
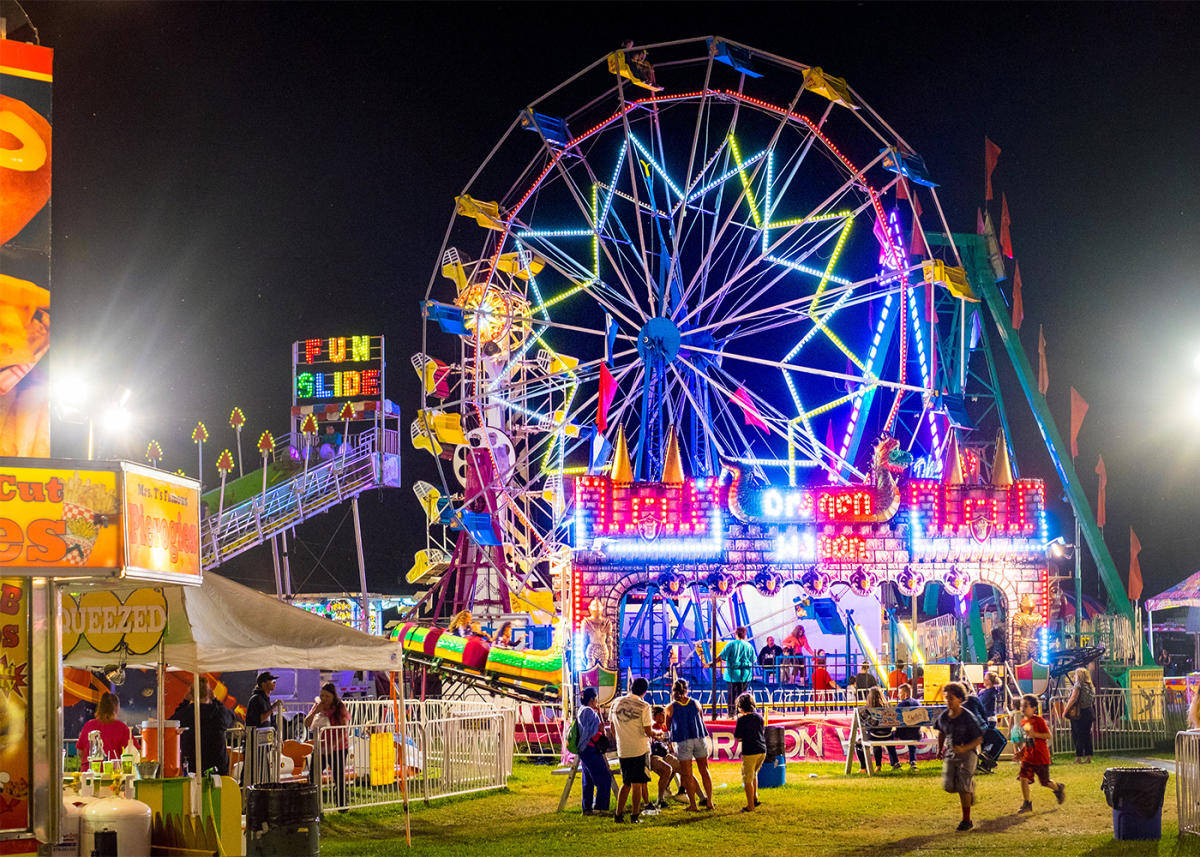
x=229 y=178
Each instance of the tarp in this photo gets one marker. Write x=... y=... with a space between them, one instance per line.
x=222 y=625
x=1184 y=594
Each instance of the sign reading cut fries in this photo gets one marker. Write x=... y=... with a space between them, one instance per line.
x=111 y=519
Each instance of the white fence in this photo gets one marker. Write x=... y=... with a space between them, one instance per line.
x=1187 y=780
x=1124 y=720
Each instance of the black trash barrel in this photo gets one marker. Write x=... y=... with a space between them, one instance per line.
x=283 y=820
x=1136 y=798
x=775 y=741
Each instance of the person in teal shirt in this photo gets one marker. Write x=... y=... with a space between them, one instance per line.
x=739 y=659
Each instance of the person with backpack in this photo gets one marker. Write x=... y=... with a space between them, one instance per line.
x=587 y=740
x=993 y=739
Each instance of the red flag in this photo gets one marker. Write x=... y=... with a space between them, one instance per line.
x=916 y=203
x=1135 y=568
x=753 y=418
x=608 y=389
x=1005 y=222
x=1079 y=409
x=901 y=189
x=1018 y=302
x=1102 y=492
x=1043 y=372
x=979 y=227
x=916 y=247
x=991 y=154
x=829 y=443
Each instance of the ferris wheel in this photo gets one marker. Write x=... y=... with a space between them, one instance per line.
x=693 y=246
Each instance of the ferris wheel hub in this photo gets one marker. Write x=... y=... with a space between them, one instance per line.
x=658 y=341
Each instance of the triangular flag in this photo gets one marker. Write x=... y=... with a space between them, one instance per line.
x=980 y=228
x=916 y=203
x=976 y=332
x=1101 y=493
x=610 y=338
x=991 y=154
x=916 y=247
x=1005 y=223
x=749 y=411
x=600 y=452
x=829 y=443
x=1079 y=409
x=1135 y=568
x=608 y=389
x=1018 y=312
x=901 y=188
x=1043 y=372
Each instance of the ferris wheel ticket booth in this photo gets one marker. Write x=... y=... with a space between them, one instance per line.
x=82 y=526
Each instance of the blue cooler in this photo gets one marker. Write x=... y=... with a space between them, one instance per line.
x=773 y=774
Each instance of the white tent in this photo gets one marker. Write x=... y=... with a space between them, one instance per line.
x=221 y=625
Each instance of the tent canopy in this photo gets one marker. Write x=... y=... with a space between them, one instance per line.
x=222 y=625
x=1183 y=594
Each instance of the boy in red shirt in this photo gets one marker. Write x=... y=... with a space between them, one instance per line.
x=1034 y=754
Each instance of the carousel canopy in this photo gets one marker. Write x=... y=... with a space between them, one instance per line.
x=222 y=625
x=1183 y=594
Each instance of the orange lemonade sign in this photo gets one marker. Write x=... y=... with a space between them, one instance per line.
x=58 y=518
x=162 y=526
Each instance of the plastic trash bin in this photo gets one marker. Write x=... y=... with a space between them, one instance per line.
x=1136 y=798
x=776 y=741
x=773 y=774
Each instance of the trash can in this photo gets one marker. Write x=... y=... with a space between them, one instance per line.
x=773 y=774
x=775 y=742
x=283 y=819
x=1136 y=798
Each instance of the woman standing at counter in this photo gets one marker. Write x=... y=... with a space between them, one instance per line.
x=113 y=732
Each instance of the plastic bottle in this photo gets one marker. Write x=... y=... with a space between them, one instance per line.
x=130 y=758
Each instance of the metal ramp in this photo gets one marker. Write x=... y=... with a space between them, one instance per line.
x=367 y=460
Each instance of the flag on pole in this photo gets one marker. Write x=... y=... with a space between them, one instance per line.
x=916 y=247
x=1018 y=311
x=1005 y=223
x=1079 y=409
x=610 y=337
x=752 y=416
x=1101 y=492
x=1043 y=372
x=980 y=228
x=608 y=389
x=1135 y=568
x=991 y=154
x=901 y=188
x=829 y=443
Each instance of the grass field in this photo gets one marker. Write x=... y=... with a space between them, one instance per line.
x=825 y=814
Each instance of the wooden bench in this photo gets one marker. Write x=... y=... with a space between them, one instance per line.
x=888 y=717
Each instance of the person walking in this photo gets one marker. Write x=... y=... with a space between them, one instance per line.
x=1081 y=711
x=634 y=728
x=959 y=736
x=1034 y=754
x=690 y=736
x=739 y=659
x=215 y=719
x=751 y=732
x=593 y=744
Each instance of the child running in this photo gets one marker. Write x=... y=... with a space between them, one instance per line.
x=751 y=732
x=1034 y=754
x=960 y=734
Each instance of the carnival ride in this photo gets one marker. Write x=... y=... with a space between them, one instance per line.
x=724 y=266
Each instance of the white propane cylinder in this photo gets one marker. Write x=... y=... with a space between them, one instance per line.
x=72 y=815
x=129 y=818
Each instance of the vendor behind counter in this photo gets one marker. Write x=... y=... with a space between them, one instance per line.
x=113 y=732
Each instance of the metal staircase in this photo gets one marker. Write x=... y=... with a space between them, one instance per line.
x=367 y=460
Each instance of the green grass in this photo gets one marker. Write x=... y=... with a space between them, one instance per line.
x=829 y=814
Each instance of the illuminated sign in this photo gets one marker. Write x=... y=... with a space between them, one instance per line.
x=646 y=510
x=345 y=611
x=162 y=526
x=340 y=368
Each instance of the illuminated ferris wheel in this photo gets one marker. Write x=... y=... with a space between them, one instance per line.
x=724 y=253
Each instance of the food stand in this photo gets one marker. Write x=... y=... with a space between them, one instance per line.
x=83 y=526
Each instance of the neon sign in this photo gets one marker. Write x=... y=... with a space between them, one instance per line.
x=340 y=368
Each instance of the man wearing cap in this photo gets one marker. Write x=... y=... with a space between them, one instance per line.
x=259 y=709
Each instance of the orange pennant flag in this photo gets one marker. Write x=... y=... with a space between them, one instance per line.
x=1043 y=372
x=901 y=188
x=1018 y=312
x=1005 y=223
x=1135 y=568
x=1102 y=492
x=916 y=247
x=991 y=155
x=1079 y=409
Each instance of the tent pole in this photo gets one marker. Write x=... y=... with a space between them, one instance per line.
x=160 y=706
x=287 y=563
x=275 y=563
x=365 y=620
x=401 y=718
x=198 y=774
x=1150 y=616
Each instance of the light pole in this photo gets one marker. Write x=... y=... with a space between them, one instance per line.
x=73 y=401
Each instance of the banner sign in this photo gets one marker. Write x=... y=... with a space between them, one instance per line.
x=135 y=625
x=806 y=739
x=67 y=519
x=16 y=746
x=25 y=168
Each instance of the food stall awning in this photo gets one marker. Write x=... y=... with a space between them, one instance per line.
x=1186 y=593
x=222 y=625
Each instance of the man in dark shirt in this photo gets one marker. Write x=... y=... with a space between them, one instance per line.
x=768 y=659
x=959 y=735
x=864 y=679
x=259 y=709
x=215 y=719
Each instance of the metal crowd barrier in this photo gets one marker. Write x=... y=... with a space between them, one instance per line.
x=1124 y=720
x=1187 y=780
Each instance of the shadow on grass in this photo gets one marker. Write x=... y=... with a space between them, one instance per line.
x=915 y=843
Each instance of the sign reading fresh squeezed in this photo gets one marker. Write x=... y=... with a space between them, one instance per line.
x=108 y=623
x=112 y=519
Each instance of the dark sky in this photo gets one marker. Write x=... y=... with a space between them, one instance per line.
x=232 y=177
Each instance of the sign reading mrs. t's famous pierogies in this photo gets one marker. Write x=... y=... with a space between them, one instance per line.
x=162 y=526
